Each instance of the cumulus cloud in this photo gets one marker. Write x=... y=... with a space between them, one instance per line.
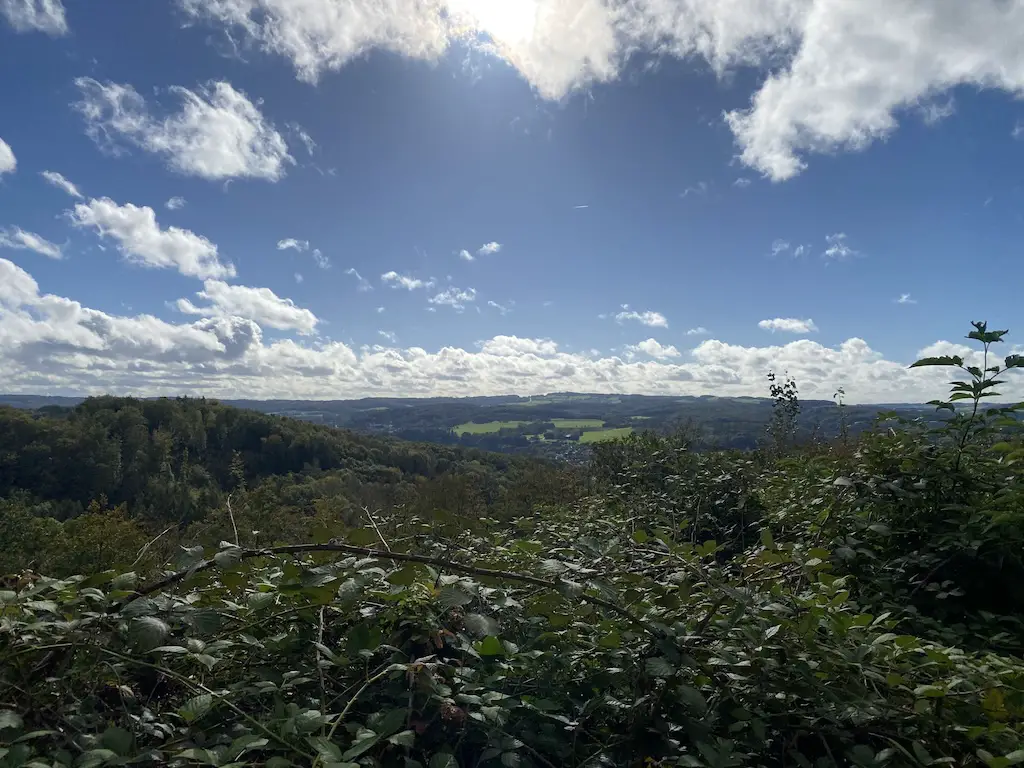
x=453 y=297
x=466 y=255
x=292 y=244
x=488 y=248
x=50 y=345
x=217 y=134
x=20 y=240
x=396 y=280
x=788 y=325
x=175 y=203
x=652 y=348
x=45 y=16
x=649 y=318
x=141 y=240
x=8 y=163
x=58 y=180
x=260 y=305
x=841 y=73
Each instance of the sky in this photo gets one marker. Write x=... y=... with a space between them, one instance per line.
x=326 y=199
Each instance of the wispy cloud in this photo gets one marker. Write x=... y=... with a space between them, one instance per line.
x=837 y=249
x=742 y=182
x=580 y=207
x=453 y=297
x=700 y=188
x=700 y=330
x=488 y=248
x=298 y=277
x=389 y=335
x=500 y=307
x=46 y=16
x=18 y=239
x=649 y=318
x=905 y=298
x=780 y=246
x=1018 y=130
x=380 y=310
x=788 y=325
x=290 y=243
x=58 y=180
x=396 y=280
x=466 y=255
x=8 y=163
x=362 y=284
x=321 y=261
x=935 y=112
x=175 y=203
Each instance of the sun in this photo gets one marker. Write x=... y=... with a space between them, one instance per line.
x=504 y=21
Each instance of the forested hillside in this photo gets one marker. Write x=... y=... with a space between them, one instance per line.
x=848 y=603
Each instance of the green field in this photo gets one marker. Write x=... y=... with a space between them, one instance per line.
x=577 y=423
x=601 y=435
x=469 y=428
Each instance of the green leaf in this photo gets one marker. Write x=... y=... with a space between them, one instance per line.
x=948 y=360
x=365 y=739
x=118 y=739
x=659 y=666
x=228 y=557
x=490 y=646
x=640 y=536
x=196 y=707
x=147 y=632
x=327 y=749
x=1015 y=361
x=443 y=760
x=403 y=739
x=481 y=625
x=693 y=697
x=199 y=755
x=921 y=753
x=453 y=597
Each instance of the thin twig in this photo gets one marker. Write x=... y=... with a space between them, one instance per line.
x=373 y=522
x=319 y=663
x=142 y=552
x=292 y=549
x=341 y=717
x=232 y=516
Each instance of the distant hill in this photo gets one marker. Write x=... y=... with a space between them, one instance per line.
x=559 y=425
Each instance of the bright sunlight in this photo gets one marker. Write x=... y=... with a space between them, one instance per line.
x=506 y=21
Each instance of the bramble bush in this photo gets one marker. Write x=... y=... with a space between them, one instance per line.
x=850 y=607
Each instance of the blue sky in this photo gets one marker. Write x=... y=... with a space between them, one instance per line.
x=662 y=197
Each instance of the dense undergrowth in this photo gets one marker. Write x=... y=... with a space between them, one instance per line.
x=855 y=604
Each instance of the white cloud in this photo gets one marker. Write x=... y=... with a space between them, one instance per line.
x=35 y=16
x=293 y=244
x=837 y=249
x=488 y=249
x=59 y=181
x=260 y=305
x=700 y=189
x=788 y=325
x=1017 y=132
x=53 y=345
x=141 y=240
x=8 y=163
x=380 y=310
x=298 y=277
x=652 y=348
x=453 y=297
x=800 y=250
x=742 y=182
x=466 y=255
x=700 y=330
x=840 y=73
x=935 y=112
x=175 y=203
x=500 y=307
x=649 y=318
x=779 y=246
x=304 y=137
x=906 y=299
x=321 y=261
x=218 y=133
x=20 y=240
x=389 y=335
x=363 y=284
x=396 y=280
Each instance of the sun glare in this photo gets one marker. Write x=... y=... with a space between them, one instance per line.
x=505 y=21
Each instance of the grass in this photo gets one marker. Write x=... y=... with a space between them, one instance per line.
x=577 y=423
x=601 y=435
x=481 y=429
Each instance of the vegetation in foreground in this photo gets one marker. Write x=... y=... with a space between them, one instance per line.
x=855 y=604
